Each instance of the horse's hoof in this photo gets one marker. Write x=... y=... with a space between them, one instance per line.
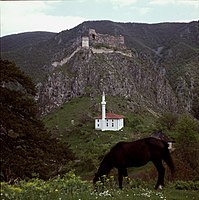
x=160 y=187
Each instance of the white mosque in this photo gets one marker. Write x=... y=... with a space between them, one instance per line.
x=108 y=121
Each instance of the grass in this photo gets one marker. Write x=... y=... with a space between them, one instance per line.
x=72 y=110
x=90 y=146
x=72 y=187
x=74 y=123
x=83 y=110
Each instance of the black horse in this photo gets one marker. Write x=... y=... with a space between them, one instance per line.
x=136 y=154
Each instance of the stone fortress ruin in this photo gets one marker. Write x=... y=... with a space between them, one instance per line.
x=98 y=43
x=97 y=40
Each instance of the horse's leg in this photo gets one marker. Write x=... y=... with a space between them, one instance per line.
x=125 y=175
x=161 y=171
x=120 y=177
x=122 y=172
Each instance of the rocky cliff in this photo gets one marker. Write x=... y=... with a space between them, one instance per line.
x=89 y=73
x=154 y=66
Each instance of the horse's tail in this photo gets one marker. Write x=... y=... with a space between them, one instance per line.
x=168 y=159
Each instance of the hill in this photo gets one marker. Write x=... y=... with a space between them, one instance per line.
x=74 y=122
x=90 y=72
x=160 y=73
x=23 y=49
x=18 y=41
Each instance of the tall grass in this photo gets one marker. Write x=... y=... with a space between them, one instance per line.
x=73 y=187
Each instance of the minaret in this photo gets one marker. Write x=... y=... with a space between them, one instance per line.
x=103 y=103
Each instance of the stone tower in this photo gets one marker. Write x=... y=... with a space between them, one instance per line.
x=85 y=42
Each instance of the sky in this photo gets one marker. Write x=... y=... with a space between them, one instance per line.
x=58 y=15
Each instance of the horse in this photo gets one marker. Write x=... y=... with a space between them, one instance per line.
x=136 y=154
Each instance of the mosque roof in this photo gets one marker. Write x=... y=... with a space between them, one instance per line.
x=111 y=116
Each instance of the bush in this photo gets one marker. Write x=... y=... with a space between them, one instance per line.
x=58 y=188
x=187 y=148
x=186 y=185
x=167 y=121
x=71 y=187
x=188 y=128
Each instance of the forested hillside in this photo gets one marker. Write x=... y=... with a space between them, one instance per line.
x=167 y=51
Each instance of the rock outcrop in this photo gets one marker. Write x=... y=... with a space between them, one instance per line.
x=153 y=65
x=88 y=73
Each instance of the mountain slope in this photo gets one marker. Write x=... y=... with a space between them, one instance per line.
x=17 y=41
x=27 y=51
x=89 y=73
x=145 y=38
x=161 y=74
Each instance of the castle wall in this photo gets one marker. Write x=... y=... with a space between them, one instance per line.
x=105 y=39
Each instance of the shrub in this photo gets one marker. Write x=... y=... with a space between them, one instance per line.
x=186 y=185
x=167 y=121
x=187 y=148
x=70 y=186
x=188 y=128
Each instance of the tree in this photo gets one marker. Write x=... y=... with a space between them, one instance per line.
x=188 y=129
x=27 y=148
x=167 y=121
x=187 y=147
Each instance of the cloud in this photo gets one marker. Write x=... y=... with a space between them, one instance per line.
x=144 y=10
x=123 y=2
x=31 y=16
x=194 y=3
x=161 y=2
x=22 y=16
x=118 y=3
